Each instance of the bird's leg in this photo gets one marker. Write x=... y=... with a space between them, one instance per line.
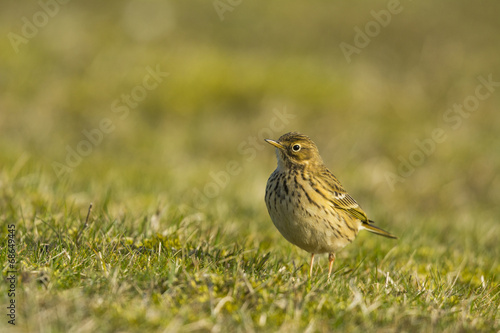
x=331 y=259
x=311 y=265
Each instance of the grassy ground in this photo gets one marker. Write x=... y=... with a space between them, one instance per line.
x=178 y=238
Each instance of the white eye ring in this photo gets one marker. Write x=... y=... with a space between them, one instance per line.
x=296 y=147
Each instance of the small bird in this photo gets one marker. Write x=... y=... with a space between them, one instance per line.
x=307 y=203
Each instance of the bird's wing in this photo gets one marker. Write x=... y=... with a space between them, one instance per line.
x=339 y=197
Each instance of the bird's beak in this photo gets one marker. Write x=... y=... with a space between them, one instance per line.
x=275 y=143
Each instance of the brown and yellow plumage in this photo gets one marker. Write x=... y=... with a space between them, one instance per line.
x=307 y=203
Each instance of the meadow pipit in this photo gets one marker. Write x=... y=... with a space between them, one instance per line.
x=307 y=203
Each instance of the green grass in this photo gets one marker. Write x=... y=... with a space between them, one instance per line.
x=154 y=255
x=147 y=263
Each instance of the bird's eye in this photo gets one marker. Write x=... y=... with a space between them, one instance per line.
x=296 y=148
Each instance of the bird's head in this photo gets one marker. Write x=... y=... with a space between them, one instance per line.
x=295 y=150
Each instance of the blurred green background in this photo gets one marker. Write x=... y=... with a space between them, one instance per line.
x=226 y=76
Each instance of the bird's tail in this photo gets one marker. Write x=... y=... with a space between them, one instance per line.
x=377 y=230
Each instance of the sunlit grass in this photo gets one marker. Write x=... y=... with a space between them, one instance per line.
x=150 y=264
